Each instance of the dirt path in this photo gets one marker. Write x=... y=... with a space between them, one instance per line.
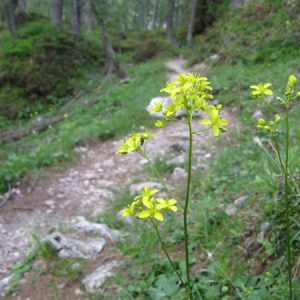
x=85 y=188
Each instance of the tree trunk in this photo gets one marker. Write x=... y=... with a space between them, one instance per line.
x=38 y=6
x=125 y=18
x=112 y=65
x=9 y=15
x=89 y=20
x=76 y=19
x=170 y=21
x=22 y=5
x=191 y=23
x=145 y=15
x=155 y=14
x=58 y=14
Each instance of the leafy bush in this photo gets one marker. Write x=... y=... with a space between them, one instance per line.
x=38 y=65
x=258 y=32
x=149 y=47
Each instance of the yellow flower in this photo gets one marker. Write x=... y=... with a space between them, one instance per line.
x=152 y=211
x=134 y=143
x=188 y=93
x=145 y=206
x=130 y=209
x=160 y=124
x=157 y=107
x=167 y=204
x=261 y=89
x=217 y=123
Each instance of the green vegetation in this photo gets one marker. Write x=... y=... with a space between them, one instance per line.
x=232 y=257
x=105 y=112
x=263 y=32
x=39 y=49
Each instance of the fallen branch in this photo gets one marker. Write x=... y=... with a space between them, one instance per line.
x=34 y=128
x=18 y=133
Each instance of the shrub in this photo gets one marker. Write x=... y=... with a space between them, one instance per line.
x=38 y=65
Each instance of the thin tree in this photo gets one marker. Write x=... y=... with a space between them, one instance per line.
x=38 y=6
x=145 y=15
x=112 y=66
x=76 y=19
x=189 y=36
x=170 y=21
x=8 y=8
x=58 y=14
x=22 y=5
x=155 y=14
x=88 y=15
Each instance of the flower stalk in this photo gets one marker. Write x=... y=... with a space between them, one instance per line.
x=186 y=207
x=259 y=92
x=287 y=204
x=189 y=93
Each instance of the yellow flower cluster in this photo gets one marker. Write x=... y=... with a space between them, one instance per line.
x=191 y=93
x=290 y=87
x=271 y=127
x=146 y=206
x=135 y=142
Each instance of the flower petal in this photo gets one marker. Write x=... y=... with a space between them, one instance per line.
x=159 y=216
x=143 y=214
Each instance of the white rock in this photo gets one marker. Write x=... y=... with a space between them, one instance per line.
x=94 y=281
x=263 y=228
x=178 y=160
x=138 y=187
x=143 y=162
x=105 y=183
x=231 y=210
x=257 y=141
x=86 y=182
x=179 y=173
x=50 y=203
x=165 y=101
x=257 y=115
x=207 y=155
x=71 y=248
x=214 y=57
x=103 y=193
x=129 y=220
x=199 y=67
x=6 y=283
x=241 y=201
x=82 y=225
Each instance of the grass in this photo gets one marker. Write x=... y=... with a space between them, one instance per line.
x=117 y=109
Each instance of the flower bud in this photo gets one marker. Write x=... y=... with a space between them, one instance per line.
x=262 y=122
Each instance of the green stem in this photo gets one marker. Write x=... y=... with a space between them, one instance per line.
x=186 y=206
x=279 y=156
x=272 y=107
x=155 y=171
x=291 y=176
x=200 y=131
x=287 y=204
x=166 y=253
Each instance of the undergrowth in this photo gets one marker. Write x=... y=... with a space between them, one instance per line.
x=107 y=111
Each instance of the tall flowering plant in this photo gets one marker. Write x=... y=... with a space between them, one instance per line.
x=192 y=94
x=281 y=140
